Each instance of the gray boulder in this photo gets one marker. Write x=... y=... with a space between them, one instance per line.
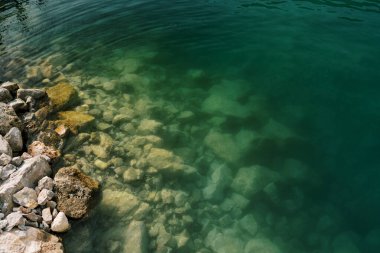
x=5 y=95
x=18 y=105
x=27 y=175
x=14 y=138
x=26 y=197
x=34 y=93
x=5 y=148
x=136 y=240
x=5 y=159
x=10 y=86
x=8 y=119
x=29 y=240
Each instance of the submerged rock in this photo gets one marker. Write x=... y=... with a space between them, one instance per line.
x=120 y=201
x=74 y=120
x=74 y=191
x=250 y=180
x=136 y=238
x=27 y=175
x=261 y=245
x=29 y=240
x=62 y=95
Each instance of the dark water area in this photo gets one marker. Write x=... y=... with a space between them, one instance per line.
x=314 y=65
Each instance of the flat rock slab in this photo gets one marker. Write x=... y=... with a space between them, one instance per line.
x=136 y=240
x=29 y=240
x=74 y=191
x=27 y=175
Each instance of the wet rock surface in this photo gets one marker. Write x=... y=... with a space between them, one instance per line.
x=75 y=191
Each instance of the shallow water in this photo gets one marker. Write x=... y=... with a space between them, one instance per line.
x=274 y=80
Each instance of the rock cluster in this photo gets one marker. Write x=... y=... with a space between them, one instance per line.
x=32 y=203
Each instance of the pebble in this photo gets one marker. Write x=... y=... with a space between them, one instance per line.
x=100 y=164
x=5 y=159
x=47 y=216
x=60 y=223
x=14 y=138
x=46 y=183
x=44 y=196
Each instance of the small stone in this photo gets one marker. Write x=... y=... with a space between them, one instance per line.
x=136 y=238
x=38 y=148
x=33 y=73
x=3 y=224
x=60 y=224
x=14 y=138
x=148 y=126
x=17 y=161
x=100 y=164
x=62 y=130
x=33 y=93
x=46 y=215
x=55 y=213
x=18 y=105
x=27 y=197
x=26 y=156
x=15 y=219
x=2 y=216
x=5 y=148
x=33 y=217
x=62 y=95
x=51 y=204
x=6 y=171
x=5 y=95
x=8 y=119
x=5 y=159
x=44 y=196
x=46 y=183
x=31 y=223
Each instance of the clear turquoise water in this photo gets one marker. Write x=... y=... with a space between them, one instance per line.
x=315 y=63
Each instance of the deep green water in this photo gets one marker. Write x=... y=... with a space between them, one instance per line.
x=312 y=66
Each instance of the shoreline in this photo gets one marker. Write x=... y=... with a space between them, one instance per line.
x=36 y=197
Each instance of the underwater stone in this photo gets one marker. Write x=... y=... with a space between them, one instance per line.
x=100 y=164
x=224 y=242
x=220 y=177
x=136 y=238
x=223 y=145
x=122 y=202
x=148 y=126
x=250 y=180
x=74 y=120
x=131 y=175
x=62 y=95
x=261 y=245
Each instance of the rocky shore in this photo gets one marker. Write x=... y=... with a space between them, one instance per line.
x=36 y=195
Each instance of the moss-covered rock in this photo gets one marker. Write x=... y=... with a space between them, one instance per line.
x=62 y=95
x=74 y=120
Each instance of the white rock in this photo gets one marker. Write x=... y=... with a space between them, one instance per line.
x=15 y=219
x=44 y=196
x=5 y=148
x=46 y=215
x=3 y=224
x=26 y=197
x=5 y=159
x=32 y=240
x=14 y=138
x=27 y=175
x=46 y=183
x=261 y=245
x=6 y=171
x=60 y=223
